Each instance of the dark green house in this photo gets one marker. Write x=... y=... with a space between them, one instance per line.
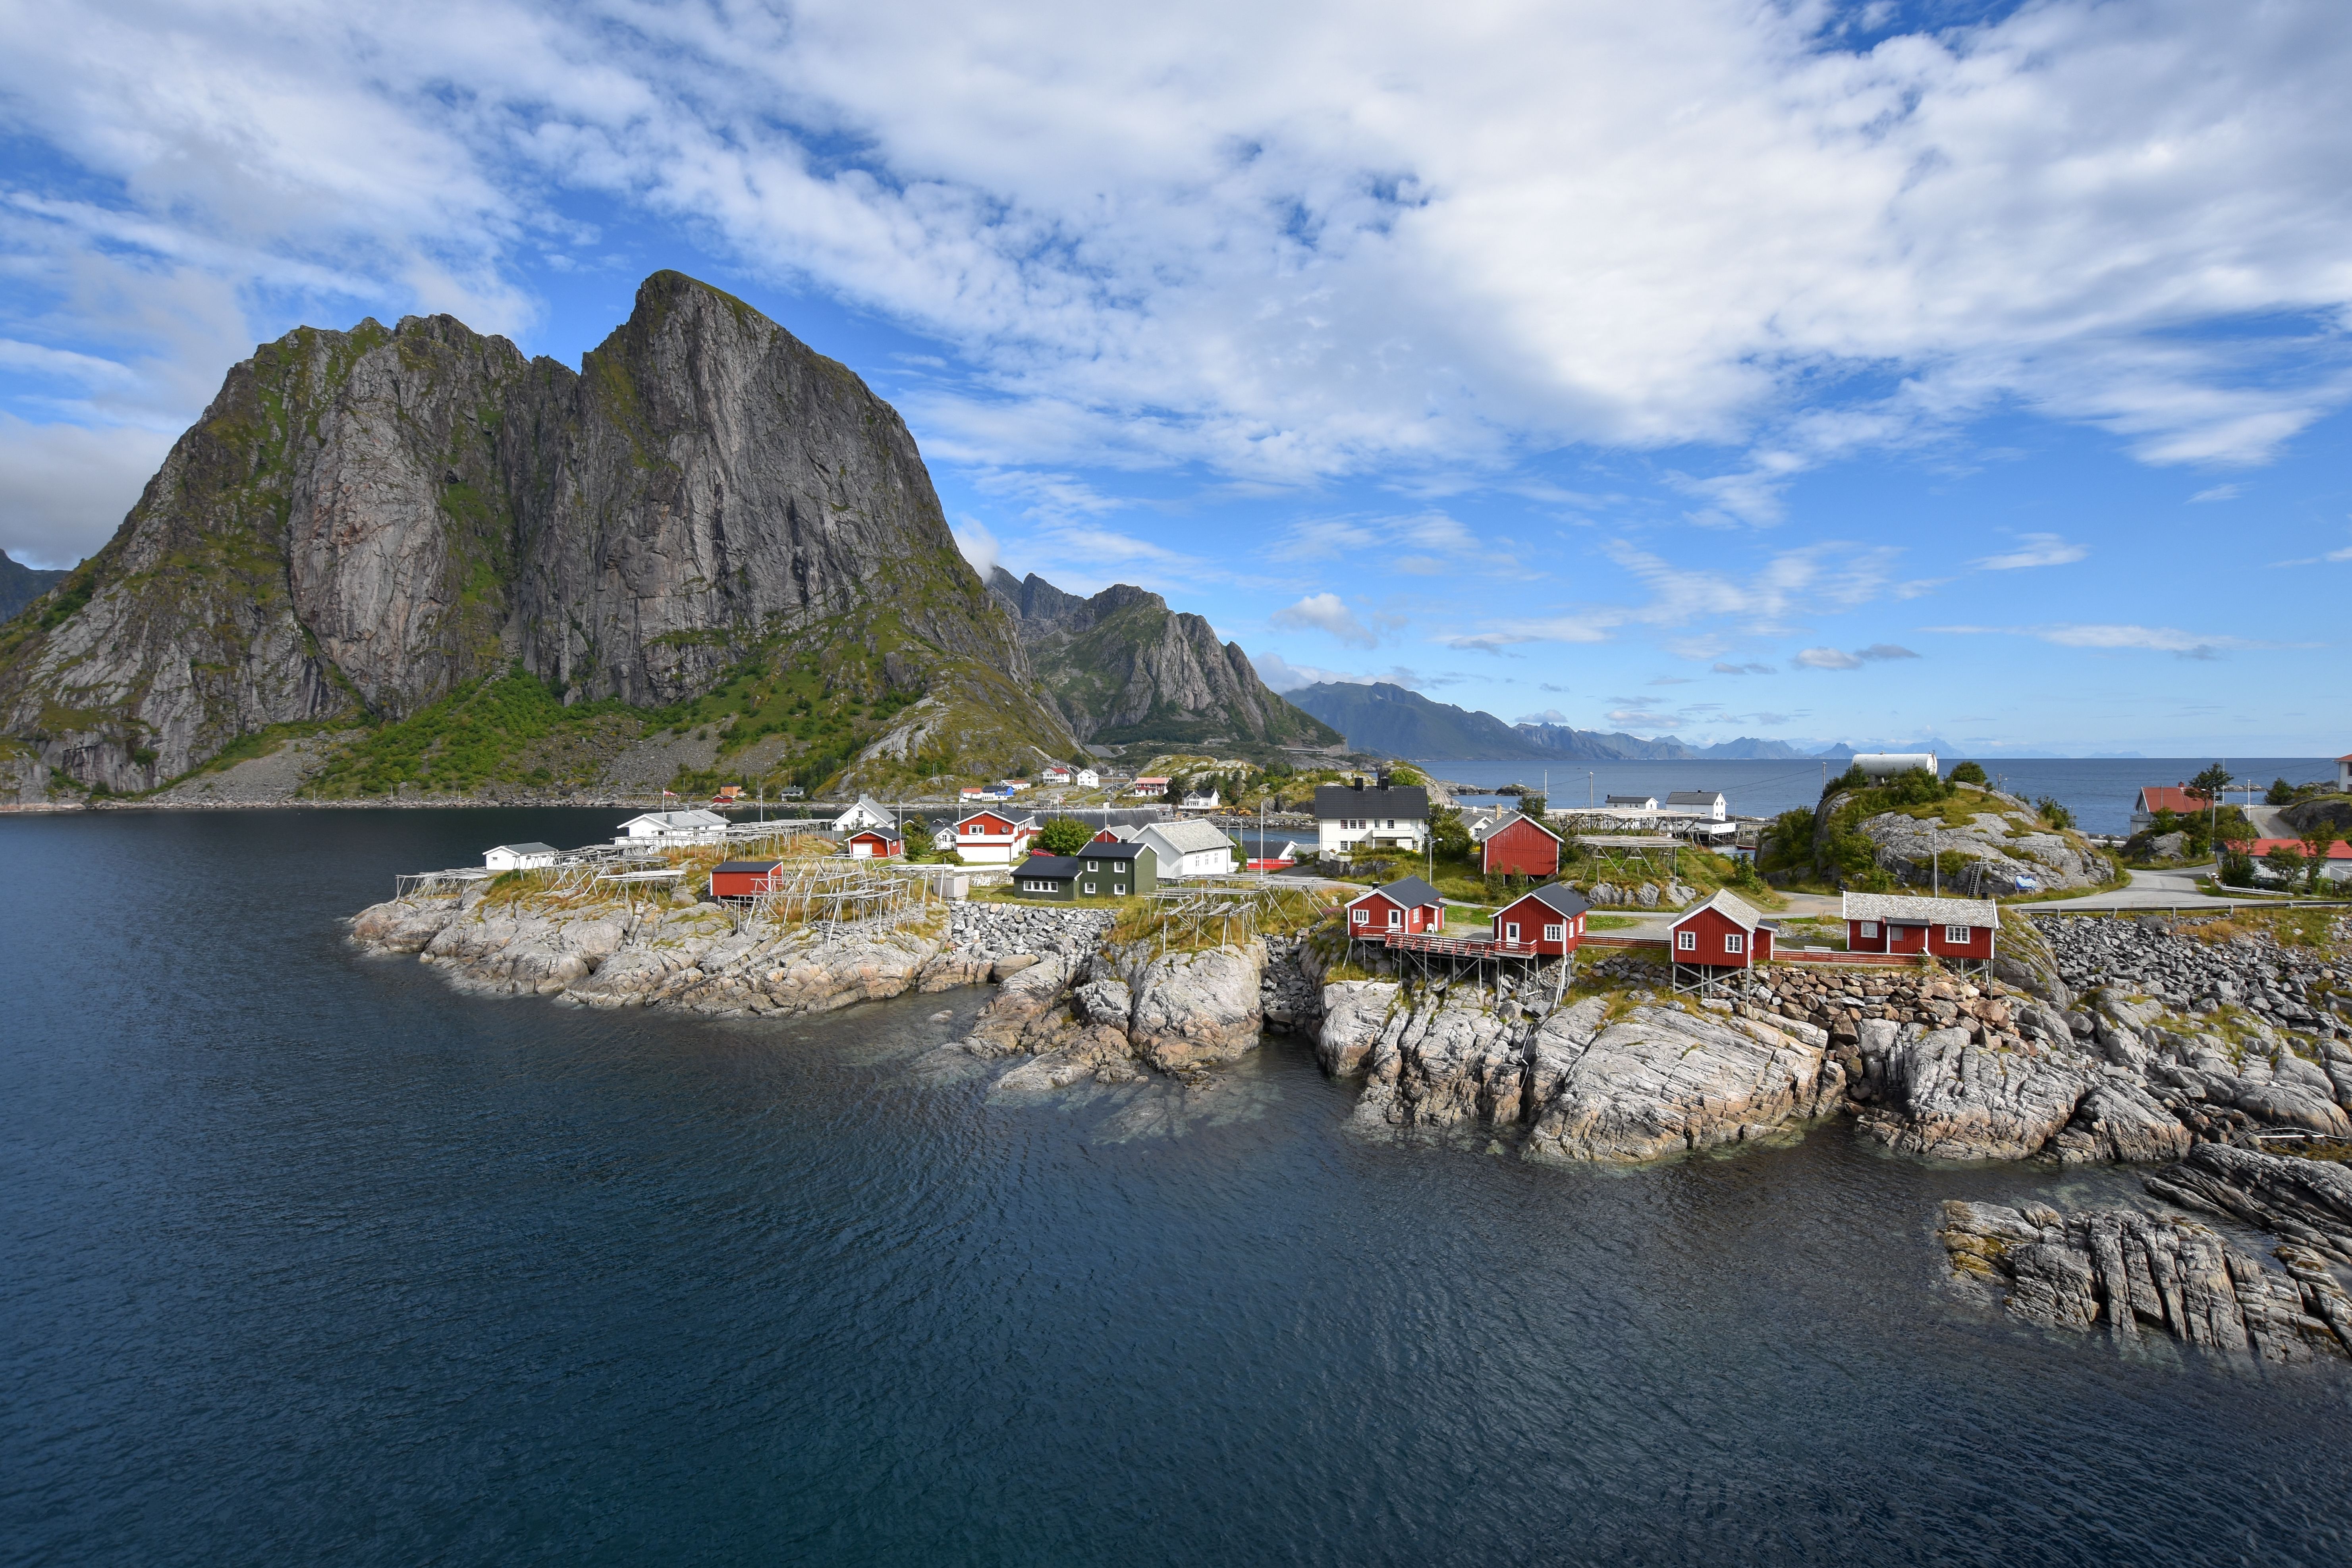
x=1103 y=869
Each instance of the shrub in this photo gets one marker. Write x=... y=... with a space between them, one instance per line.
x=2237 y=870
x=2053 y=812
x=1969 y=773
x=1064 y=835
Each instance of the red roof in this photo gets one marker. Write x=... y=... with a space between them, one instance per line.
x=2172 y=798
x=2339 y=850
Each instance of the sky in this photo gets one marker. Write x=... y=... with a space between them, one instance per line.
x=1783 y=368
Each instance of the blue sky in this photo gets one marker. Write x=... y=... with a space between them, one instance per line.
x=1796 y=370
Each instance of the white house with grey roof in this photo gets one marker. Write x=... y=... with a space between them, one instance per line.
x=1187 y=848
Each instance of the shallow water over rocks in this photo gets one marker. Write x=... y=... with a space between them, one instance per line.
x=312 y=1257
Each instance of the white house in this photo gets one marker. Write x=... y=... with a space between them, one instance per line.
x=1087 y=778
x=1187 y=848
x=994 y=838
x=1203 y=801
x=867 y=812
x=1392 y=817
x=697 y=826
x=1056 y=774
x=2343 y=775
x=1147 y=789
x=1706 y=802
x=1633 y=802
x=519 y=857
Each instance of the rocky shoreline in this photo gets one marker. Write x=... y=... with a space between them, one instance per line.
x=2108 y=1044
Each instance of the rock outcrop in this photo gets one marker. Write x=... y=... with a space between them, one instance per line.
x=2131 y=1273
x=362 y=520
x=2309 y=1202
x=1122 y=667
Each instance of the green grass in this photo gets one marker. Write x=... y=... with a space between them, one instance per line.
x=477 y=736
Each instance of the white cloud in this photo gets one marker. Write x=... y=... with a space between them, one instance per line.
x=1826 y=659
x=979 y=546
x=1326 y=613
x=1721 y=668
x=2218 y=492
x=1299 y=241
x=68 y=486
x=2115 y=638
x=2034 y=550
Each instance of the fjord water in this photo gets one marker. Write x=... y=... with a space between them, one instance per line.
x=309 y=1258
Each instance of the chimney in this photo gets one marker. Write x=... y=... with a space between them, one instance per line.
x=1359 y=781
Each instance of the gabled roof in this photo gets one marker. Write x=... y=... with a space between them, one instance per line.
x=2172 y=797
x=1693 y=797
x=1519 y=816
x=1406 y=892
x=1906 y=907
x=1018 y=822
x=1633 y=800
x=1737 y=911
x=887 y=835
x=2339 y=850
x=1049 y=868
x=679 y=819
x=1347 y=799
x=748 y=867
x=1124 y=850
x=1556 y=896
x=1189 y=837
x=531 y=848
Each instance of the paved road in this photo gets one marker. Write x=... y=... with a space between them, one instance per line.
x=2149 y=890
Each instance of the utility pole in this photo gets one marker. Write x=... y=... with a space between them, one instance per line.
x=1935 y=861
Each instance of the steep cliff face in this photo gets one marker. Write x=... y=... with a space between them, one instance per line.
x=362 y=520
x=1123 y=667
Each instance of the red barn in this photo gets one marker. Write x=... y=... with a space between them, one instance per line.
x=1403 y=908
x=1549 y=919
x=742 y=879
x=1520 y=846
x=1898 y=923
x=873 y=843
x=1723 y=933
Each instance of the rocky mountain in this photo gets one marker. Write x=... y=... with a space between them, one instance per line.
x=1122 y=667
x=21 y=584
x=1380 y=717
x=364 y=521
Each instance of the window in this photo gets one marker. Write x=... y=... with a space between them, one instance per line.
x=1363 y=916
x=1396 y=918
x=1511 y=932
x=1090 y=890
x=1960 y=934
x=1094 y=865
x=1870 y=927
x=1119 y=889
x=1555 y=933
x=1686 y=942
x=1735 y=942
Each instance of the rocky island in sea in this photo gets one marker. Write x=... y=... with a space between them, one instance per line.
x=2100 y=1041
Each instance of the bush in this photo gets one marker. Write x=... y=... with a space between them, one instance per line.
x=2053 y=813
x=2237 y=870
x=1064 y=835
x=1969 y=773
x=2281 y=793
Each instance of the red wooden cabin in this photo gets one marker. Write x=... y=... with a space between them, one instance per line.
x=1406 y=907
x=1723 y=933
x=1520 y=846
x=1549 y=919
x=875 y=843
x=742 y=879
x=1899 y=923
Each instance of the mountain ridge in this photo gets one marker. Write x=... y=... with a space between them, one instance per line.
x=1380 y=716
x=1121 y=667
x=364 y=522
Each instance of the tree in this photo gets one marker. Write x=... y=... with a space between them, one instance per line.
x=2237 y=870
x=2317 y=840
x=2209 y=784
x=1969 y=773
x=2285 y=862
x=2281 y=792
x=1451 y=839
x=1533 y=805
x=1064 y=835
x=2053 y=812
x=1174 y=793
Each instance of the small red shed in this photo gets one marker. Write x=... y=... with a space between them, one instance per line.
x=1550 y=919
x=1520 y=846
x=742 y=879
x=1407 y=907
x=873 y=843
x=1898 y=923
x=1724 y=933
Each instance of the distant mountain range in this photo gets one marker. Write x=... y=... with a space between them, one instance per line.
x=21 y=584
x=1380 y=717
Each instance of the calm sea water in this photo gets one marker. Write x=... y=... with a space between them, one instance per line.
x=309 y=1260
x=2098 y=790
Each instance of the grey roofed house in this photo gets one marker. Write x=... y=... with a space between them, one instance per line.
x=1905 y=909
x=1405 y=892
x=1403 y=802
x=1704 y=802
x=1632 y=802
x=1188 y=848
x=1560 y=895
x=1731 y=906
